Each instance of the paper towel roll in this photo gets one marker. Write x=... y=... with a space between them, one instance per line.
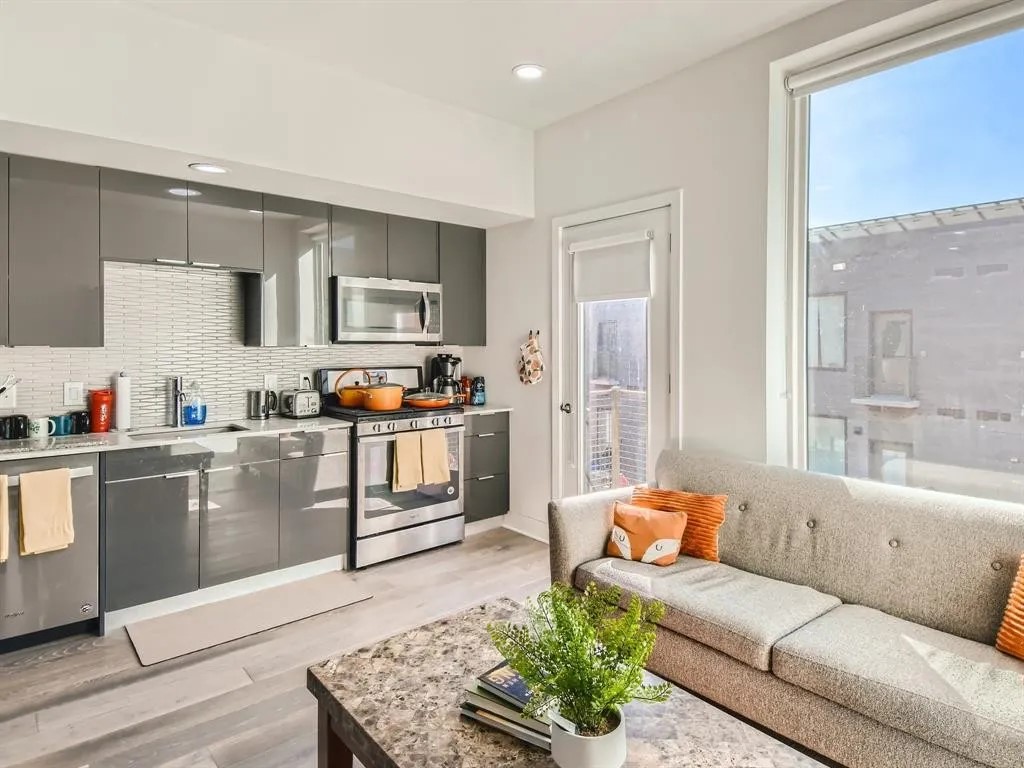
x=123 y=402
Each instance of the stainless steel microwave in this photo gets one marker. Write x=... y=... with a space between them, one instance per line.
x=374 y=309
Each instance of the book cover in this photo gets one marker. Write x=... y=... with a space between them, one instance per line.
x=505 y=682
x=506 y=726
x=480 y=698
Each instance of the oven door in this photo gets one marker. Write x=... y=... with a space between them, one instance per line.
x=373 y=309
x=380 y=509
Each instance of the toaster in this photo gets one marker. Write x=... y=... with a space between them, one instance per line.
x=300 y=403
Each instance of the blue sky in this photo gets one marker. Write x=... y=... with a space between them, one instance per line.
x=942 y=131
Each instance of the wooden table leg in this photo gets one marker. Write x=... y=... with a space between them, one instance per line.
x=331 y=751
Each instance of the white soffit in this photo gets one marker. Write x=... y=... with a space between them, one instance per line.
x=462 y=51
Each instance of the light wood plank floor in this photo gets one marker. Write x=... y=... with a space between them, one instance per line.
x=86 y=701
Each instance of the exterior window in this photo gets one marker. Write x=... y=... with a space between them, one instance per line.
x=826 y=331
x=826 y=444
x=914 y=265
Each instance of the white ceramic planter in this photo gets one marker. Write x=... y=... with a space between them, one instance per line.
x=571 y=751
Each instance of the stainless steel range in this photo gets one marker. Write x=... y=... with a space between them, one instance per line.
x=388 y=523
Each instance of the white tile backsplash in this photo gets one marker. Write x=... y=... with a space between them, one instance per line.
x=164 y=321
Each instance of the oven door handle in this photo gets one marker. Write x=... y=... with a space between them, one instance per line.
x=391 y=435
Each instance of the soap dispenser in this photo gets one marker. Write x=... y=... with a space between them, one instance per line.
x=193 y=413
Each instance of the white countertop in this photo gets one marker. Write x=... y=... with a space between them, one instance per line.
x=156 y=436
x=486 y=410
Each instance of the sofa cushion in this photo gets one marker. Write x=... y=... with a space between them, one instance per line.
x=952 y=692
x=646 y=535
x=735 y=612
x=704 y=515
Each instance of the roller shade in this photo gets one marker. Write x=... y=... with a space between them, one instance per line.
x=617 y=267
x=926 y=42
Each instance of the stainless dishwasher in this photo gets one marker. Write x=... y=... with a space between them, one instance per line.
x=55 y=588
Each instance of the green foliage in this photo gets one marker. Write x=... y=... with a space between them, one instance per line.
x=580 y=652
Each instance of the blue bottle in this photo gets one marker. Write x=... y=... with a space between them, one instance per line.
x=193 y=412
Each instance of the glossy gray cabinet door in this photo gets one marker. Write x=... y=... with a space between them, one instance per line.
x=3 y=250
x=238 y=524
x=141 y=219
x=152 y=538
x=463 y=260
x=288 y=304
x=359 y=243
x=314 y=508
x=412 y=249
x=225 y=227
x=486 y=497
x=54 y=252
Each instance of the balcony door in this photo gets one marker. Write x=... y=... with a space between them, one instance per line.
x=615 y=306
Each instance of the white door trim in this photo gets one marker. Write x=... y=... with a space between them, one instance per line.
x=672 y=199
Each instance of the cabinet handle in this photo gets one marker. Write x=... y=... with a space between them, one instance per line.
x=487 y=477
x=487 y=434
x=209 y=264
x=213 y=470
x=177 y=262
x=15 y=480
x=174 y=475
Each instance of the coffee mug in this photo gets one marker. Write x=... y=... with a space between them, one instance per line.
x=60 y=425
x=39 y=428
x=80 y=422
x=14 y=427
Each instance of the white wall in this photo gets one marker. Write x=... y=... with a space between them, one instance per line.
x=704 y=130
x=124 y=72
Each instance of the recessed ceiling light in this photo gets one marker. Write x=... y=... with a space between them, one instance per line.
x=207 y=168
x=184 y=192
x=528 y=71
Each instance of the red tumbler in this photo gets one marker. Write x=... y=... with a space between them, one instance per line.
x=101 y=409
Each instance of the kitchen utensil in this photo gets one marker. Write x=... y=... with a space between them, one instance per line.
x=81 y=422
x=101 y=409
x=427 y=400
x=383 y=397
x=39 y=428
x=260 y=403
x=352 y=395
x=60 y=425
x=300 y=403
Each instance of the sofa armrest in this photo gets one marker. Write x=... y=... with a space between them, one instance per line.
x=578 y=528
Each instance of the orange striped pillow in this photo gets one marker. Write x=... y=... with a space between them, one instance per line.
x=704 y=516
x=1011 y=635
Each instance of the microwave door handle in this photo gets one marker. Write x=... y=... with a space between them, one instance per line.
x=426 y=311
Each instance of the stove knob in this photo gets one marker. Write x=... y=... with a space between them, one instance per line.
x=433 y=422
x=376 y=427
x=391 y=426
x=414 y=424
x=447 y=419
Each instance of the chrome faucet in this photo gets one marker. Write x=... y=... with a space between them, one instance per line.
x=178 y=398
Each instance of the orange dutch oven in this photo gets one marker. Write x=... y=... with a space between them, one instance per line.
x=352 y=395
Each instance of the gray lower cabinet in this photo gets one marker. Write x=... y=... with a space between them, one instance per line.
x=4 y=163
x=142 y=218
x=314 y=508
x=487 y=466
x=359 y=243
x=287 y=305
x=54 y=254
x=412 y=249
x=238 y=526
x=152 y=538
x=225 y=227
x=463 y=274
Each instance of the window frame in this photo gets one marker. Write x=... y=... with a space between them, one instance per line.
x=917 y=33
x=846 y=435
x=842 y=368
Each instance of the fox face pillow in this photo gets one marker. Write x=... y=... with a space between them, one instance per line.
x=646 y=535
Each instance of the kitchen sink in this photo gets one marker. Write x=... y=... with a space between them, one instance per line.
x=185 y=433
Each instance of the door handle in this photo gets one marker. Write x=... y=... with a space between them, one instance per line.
x=426 y=311
x=565 y=408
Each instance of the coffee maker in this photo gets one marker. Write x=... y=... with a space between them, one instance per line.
x=443 y=374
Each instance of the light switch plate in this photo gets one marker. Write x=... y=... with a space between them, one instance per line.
x=270 y=381
x=74 y=393
x=9 y=399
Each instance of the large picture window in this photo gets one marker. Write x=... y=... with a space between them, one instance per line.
x=913 y=300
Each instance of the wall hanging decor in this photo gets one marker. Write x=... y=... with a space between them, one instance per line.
x=531 y=360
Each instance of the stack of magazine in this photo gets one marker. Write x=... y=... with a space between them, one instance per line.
x=497 y=699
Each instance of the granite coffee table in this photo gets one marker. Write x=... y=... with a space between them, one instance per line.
x=395 y=704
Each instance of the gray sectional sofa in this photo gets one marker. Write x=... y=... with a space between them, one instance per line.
x=854 y=618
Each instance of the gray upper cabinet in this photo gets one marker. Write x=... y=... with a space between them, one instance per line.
x=3 y=248
x=412 y=249
x=225 y=227
x=288 y=304
x=463 y=261
x=142 y=218
x=359 y=243
x=54 y=252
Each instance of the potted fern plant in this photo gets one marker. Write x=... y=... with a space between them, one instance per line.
x=583 y=659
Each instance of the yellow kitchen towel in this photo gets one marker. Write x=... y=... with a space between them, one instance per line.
x=407 y=472
x=5 y=523
x=435 y=457
x=47 y=523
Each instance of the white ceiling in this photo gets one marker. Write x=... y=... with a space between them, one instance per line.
x=462 y=51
